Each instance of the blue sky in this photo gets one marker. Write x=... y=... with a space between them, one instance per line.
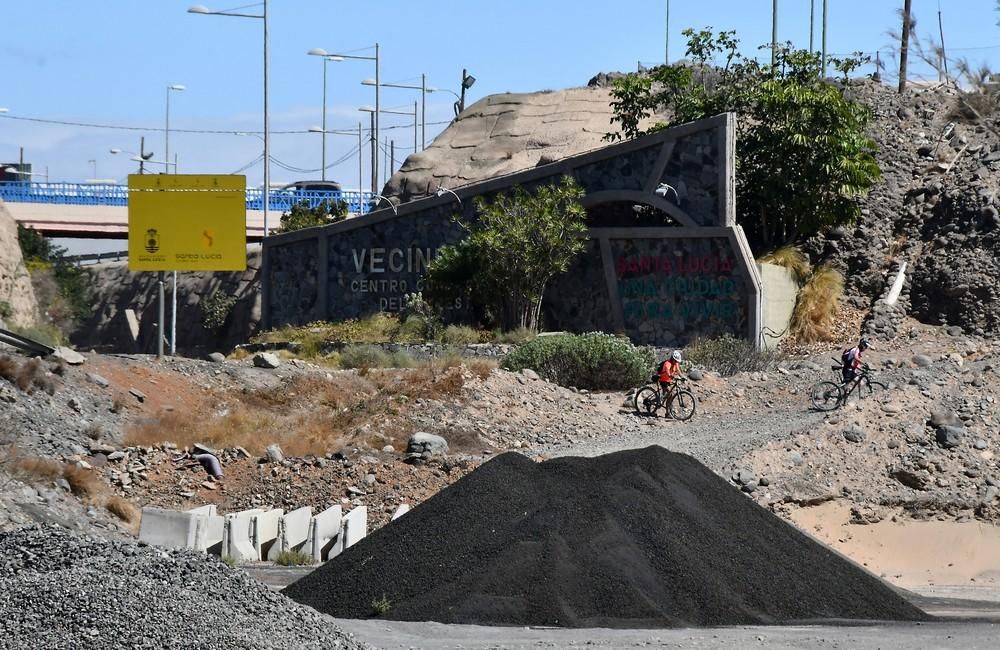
x=110 y=61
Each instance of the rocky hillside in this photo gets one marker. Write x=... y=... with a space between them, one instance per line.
x=15 y=283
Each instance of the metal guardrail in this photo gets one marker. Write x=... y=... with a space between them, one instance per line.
x=97 y=258
x=117 y=195
x=31 y=346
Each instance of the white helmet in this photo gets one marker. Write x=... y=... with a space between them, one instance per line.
x=676 y=355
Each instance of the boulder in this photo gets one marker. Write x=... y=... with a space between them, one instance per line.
x=68 y=355
x=949 y=437
x=266 y=360
x=421 y=442
x=216 y=357
x=274 y=453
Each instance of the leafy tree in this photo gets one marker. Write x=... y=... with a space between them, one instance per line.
x=517 y=244
x=302 y=216
x=61 y=286
x=802 y=155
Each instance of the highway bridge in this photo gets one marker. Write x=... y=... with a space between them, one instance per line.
x=100 y=211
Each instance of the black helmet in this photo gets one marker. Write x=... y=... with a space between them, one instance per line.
x=864 y=342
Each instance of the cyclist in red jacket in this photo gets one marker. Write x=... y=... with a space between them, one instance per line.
x=852 y=359
x=670 y=369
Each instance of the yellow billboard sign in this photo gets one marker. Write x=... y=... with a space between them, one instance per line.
x=187 y=222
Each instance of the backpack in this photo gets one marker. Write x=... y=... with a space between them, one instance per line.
x=845 y=358
x=659 y=368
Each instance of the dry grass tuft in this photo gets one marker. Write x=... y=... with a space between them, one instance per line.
x=123 y=509
x=118 y=402
x=815 y=315
x=481 y=367
x=84 y=483
x=37 y=468
x=791 y=258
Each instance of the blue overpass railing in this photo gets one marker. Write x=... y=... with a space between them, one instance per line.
x=117 y=195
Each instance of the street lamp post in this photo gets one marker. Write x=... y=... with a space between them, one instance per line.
x=326 y=59
x=318 y=51
x=166 y=130
x=173 y=283
x=423 y=99
x=201 y=9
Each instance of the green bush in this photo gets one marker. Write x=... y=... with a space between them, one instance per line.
x=215 y=309
x=380 y=605
x=363 y=356
x=728 y=355
x=459 y=335
x=293 y=558
x=595 y=361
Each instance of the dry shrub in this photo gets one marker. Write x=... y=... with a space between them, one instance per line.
x=118 y=402
x=815 y=315
x=9 y=367
x=84 y=483
x=123 y=509
x=481 y=367
x=27 y=373
x=791 y=258
x=37 y=468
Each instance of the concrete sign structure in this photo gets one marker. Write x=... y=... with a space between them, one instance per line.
x=186 y=222
x=665 y=261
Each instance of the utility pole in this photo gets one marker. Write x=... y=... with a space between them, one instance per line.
x=142 y=154
x=774 y=32
x=824 y=40
x=666 y=47
x=904 y=45
x=361 y=173
x=812 y=23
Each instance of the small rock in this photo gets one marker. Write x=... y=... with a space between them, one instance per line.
x=980 y=444
x=922 y=361
x=75 y=404
x=949 y=437
x=388 y=449
x=138 y=394
x=216 y=357
x=855 y=434
x=530 y=374
x=70 y=356
x=274 y=453
x=208 y=485
x=98 y=379
x=116 y=455
x=696 y=374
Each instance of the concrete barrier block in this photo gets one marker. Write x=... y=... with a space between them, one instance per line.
x=400 y=511
x=293 y=532
x=264 y=531
x=167 y=528
x=210 y=510
x=237 y=537
x=324 y=534
x=355 y=526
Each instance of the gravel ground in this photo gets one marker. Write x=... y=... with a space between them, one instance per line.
x=60 y=590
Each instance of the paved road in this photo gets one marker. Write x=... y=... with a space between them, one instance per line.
x=971 y=621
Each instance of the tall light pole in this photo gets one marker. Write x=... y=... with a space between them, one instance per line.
x=318 y=51
x=166 y=130
x=201 y=9
x=774 y=32
x=326 y=59
x=423 y=102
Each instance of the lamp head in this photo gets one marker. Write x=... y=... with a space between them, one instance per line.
x=467 y=81
x=176 y=87
x=663 y=189
x=368 y=82
x=199 y=9
x=115 y=150
x=367 y=109
x=3 y=110
x=440 y=192
x=317 y=51
x=315 y=129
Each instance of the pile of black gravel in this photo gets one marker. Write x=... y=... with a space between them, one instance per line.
x=636 y=538
x=59 y=590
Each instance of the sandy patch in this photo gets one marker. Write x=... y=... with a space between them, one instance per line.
x=907 y=553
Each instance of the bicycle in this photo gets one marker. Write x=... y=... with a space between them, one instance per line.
x=828 y=395
x=678 y=402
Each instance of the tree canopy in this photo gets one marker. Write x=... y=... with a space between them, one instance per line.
x=516 y=245
x=803 y=158
x=302 y=216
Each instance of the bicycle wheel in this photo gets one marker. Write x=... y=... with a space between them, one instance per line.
x=647 y=401
x=874 y=390
x=825 y=395
x=682 y=406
